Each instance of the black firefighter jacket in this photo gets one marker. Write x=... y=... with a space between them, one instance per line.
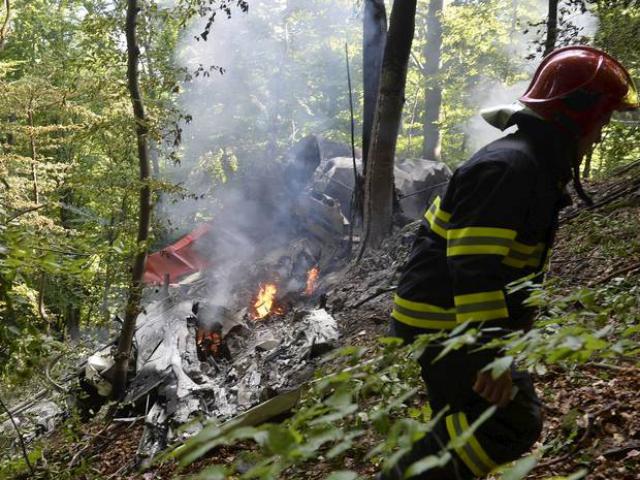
x=494 y=226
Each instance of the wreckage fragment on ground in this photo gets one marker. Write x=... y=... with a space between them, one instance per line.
x=178 y=381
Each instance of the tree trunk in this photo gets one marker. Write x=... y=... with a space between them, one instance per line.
x=42 y=309
x=32 y=145
x=5 y=295
x=552 y=27
x=433 y=89
x=374 y=38
x=4 y=29
x=135 y=289
x=73 y=323
x=379 y=179
x=586 y=172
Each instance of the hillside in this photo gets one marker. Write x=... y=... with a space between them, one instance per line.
x=589 y=388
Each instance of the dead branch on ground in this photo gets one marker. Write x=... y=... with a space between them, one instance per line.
x=622 y=271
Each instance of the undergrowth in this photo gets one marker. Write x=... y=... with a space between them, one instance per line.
x=370 y=408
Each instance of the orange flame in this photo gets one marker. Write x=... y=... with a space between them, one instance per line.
x=208 y=342
x=264 y=301
x=312 y=279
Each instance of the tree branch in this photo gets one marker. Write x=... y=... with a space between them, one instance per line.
x=24 y=212
x=19 y=433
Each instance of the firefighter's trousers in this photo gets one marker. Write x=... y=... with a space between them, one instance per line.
x=503 y=437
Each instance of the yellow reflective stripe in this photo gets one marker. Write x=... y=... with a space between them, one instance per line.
x=522 y=255
x=481 y=307
x=433 y=223
x=512 y=262
x=460 y=450
x=437 y=218
x=479 y=297
x=523 y=247
x=483 y=316
x=420 y=306
x=423 y=323
x=428 y=216
x=479 y=241
x=470 y=451
x=441 y=214
x=475 y=445
x=477 y=250
x=423 y=315
x=482 y=232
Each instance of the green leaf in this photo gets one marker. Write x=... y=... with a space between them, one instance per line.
x=217 y=472
x=280 y=440
x=574 y=476
x=428 y=463
x=345 y=444
x=499 y=366
x=390 y=341
x=520 y=468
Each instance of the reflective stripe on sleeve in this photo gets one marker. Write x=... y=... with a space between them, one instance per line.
x=423 y=315
x=471 y=452
x=481 y=307
x=437 y=218
x=522 y=255
x=479 y=241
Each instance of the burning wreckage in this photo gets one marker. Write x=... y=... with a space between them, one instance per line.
x=235 y=315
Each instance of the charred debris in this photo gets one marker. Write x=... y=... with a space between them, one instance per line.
x=235 y=317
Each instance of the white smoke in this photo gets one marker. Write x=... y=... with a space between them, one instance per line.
x=260 y=82
x=279 y=74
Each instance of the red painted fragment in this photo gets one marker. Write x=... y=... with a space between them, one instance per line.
x=178 y=259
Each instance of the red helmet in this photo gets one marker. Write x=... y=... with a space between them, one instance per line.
x=578 y=87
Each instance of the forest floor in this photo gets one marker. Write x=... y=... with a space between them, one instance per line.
x=590 y=409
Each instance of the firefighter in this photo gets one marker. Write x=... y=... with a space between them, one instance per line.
x=493 y=226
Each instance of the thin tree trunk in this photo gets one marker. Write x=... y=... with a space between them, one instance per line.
x=374 y=38
x=32 y=145
x=4 y=29
x=5 y=295
x=73 y=323
x=41 y=307
x=135 y=289
x=379 y=185
x=552 y=27
x=586 y=172
x=433 y=89
x=413 y=118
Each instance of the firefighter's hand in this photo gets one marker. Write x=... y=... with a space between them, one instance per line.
x=496 y=391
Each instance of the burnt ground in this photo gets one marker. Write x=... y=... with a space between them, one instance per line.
x=591 y=409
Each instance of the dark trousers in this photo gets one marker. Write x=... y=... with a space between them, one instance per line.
x=503 y=437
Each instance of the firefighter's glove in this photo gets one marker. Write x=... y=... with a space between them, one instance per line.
x=497 y=391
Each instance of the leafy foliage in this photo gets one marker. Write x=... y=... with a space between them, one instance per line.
x=378 y=398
